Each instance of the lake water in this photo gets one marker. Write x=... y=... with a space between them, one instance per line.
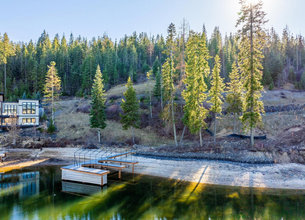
x=39 y=193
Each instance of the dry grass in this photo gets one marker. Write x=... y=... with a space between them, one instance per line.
x=140 y=88
x=76 y=126
x=114 y=131
x=73 y=126
x=273 y=123
x=283 y=97
x=276 y=123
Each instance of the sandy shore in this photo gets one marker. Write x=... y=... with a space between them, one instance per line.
x=285 y=176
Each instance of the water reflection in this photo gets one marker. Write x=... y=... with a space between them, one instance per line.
x=80 y=189
x=25 y=184
x=142 y=197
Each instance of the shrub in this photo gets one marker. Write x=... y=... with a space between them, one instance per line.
x=302 y=82
x=43 y=117
x=291 y=76
x=51 y=127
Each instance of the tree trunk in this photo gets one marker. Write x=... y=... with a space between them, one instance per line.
x=161 y=90
x=200 y=136
x=53 y=105
x=150 y=107
x=174 y=125
x=215 y=118
x=252 y=74
x=132 y=130
x=5 y=79
x=252 y=137
x=234 y=124
x=182 y=135
x=99 y=135
x=297 y=54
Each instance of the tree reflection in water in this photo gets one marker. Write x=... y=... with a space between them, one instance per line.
x=142 y=197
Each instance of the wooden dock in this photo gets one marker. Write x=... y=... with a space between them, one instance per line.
x=95 y=171
x=84 y=175
x=96 y=164
x=121 y=154
x=133 y=163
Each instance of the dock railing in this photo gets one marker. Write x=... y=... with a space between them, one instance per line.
x=82 y=155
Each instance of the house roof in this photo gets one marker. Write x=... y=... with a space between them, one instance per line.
x=28 y=100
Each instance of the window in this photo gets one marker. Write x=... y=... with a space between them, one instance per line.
x=28 y=108
x=26 y=121
x=14 y=109
x=9 y=109
x=10 y=121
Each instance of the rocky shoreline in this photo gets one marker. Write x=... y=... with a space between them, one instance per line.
x=240 y=157
x=279 y=176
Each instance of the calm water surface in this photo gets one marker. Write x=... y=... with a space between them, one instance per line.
x=39 y=193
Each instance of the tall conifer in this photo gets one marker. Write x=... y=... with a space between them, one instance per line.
x=130 y=106
x=234 y=94
x=252 y=42
x=216 y=92
x=195 y=92
x=97 y=114
x=157 y=87
x=6 y=50
x=52 y=86
x=168 y=81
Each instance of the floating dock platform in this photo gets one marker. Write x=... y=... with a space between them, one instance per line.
x=84 y=175
x=96 y=171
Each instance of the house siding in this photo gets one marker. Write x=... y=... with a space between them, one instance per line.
x=26 y=112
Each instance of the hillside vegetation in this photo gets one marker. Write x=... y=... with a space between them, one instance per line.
x=72 y=119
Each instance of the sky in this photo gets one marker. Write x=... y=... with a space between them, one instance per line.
x=26 y=19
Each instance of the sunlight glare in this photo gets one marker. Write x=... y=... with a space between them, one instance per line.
x=253 y=2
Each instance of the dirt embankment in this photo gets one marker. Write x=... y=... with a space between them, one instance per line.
x=289 y=147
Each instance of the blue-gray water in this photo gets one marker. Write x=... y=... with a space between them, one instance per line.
x=39 y=193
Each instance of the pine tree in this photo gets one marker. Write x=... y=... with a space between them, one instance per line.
x=130 y=107
x=168 y=113
x=157 y=87
x=98 y=114
x=195 y=92
x=52 y=86
x=252 y=42
x=234 y=94
x=216 y=92
x=6 y=50
x=148 y=74
x=156 y=66
x=168 y=81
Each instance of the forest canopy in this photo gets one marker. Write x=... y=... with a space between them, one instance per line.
x=133 y=56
